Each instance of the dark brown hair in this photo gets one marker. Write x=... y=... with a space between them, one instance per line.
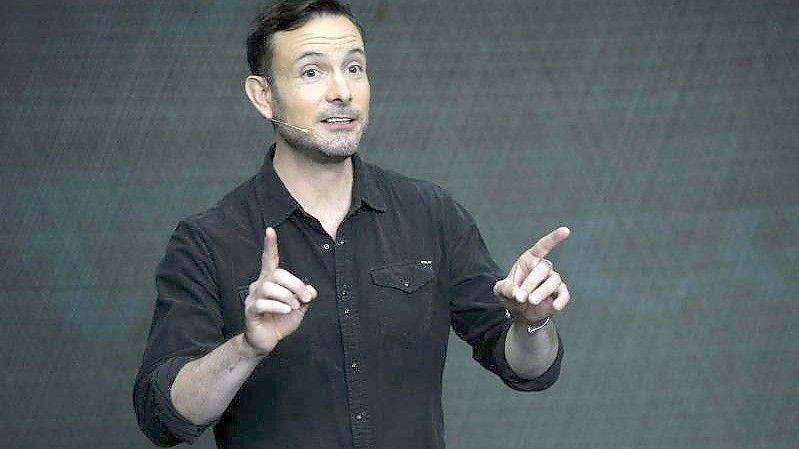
x=287 y=15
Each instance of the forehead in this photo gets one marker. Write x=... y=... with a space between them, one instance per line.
x=325 y=34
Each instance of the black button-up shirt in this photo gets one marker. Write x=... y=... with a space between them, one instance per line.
x=364 y=368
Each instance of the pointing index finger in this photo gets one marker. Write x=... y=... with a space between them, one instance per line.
x=548 y=242
x=270 y=257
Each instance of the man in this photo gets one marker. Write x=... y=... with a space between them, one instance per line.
x=311 y=307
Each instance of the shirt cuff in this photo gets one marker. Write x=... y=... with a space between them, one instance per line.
x=513 y=380
x=178 y=426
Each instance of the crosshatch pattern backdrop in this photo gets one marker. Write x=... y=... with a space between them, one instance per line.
x=664 y=133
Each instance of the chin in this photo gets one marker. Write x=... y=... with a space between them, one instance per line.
x=331 y=150
x=339 y=148
x=328 y=152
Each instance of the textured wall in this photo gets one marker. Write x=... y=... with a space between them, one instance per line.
x=664 y=133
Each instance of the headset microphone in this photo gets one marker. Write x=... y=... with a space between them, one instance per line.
x=280 y=122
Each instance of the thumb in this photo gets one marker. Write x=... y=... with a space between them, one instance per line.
x=505 y=288
x=270 y=257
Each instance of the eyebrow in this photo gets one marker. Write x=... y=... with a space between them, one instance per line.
x=315 y=54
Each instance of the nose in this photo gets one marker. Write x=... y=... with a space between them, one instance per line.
x=338 y=89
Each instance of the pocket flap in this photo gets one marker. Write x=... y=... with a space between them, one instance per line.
x=406 y=276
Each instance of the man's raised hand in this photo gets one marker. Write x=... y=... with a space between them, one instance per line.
x=533 y=289
x=276 y=303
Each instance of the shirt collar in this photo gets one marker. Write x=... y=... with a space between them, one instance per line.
x=366 y=189
x=277 y=204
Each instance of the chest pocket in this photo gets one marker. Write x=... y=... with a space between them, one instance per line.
x=405 y=276
x=405 y=293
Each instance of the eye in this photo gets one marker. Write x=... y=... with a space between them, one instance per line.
x=355 y=69
x=310 y=73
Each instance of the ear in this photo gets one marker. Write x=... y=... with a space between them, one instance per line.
x=260 y=94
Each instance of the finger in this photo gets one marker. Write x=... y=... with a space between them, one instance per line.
x=546 y=289
x=270 y=290
x=310 y=293
x=505 y=288
x=548 y=242
x=290 y=282
x=262 y=306
x=563 y=298
x=269 y=258
x=537 y=275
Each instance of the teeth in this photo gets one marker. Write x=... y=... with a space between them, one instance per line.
x=338 y=120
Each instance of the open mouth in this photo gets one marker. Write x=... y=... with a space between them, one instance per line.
x=338 y=120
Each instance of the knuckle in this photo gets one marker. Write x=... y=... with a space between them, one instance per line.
x=264 y=290
x=252 y=308
x=533 y=278
x=542 y=269
x=296 y=285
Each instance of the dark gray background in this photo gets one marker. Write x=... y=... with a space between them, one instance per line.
x=664 y=133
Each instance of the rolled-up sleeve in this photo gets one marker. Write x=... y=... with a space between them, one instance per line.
x=477 y=316
x=157 y=417
x=186 y=325
x=511 y=379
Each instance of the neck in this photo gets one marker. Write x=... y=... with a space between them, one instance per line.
x=322 y=188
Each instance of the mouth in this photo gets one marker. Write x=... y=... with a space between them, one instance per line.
x=338 y=120
x=339 y=123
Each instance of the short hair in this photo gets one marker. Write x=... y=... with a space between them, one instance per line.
x=287 y=15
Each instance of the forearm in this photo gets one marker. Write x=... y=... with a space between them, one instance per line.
x=204 y=387
x=531 y=354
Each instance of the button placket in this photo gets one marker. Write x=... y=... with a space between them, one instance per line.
x=354 y=371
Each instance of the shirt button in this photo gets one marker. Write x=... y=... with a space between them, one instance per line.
x=346 y=311
x=359 y=417
x=406 y=283
x=354 y=365
x=344 y=293
x=326 y=246
x=341 y=242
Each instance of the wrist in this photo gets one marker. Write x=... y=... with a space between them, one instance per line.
x=535 y=326
x=521 y=320
x=527 y=326
x=246 y=349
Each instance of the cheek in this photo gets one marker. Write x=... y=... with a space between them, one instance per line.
x=303 y=104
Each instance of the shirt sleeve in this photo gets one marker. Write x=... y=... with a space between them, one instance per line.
x=476 y=315
x=187 y=324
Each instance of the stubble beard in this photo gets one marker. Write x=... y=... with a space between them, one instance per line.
x=313 y=146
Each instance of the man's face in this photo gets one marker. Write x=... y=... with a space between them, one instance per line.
x=320 y=84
